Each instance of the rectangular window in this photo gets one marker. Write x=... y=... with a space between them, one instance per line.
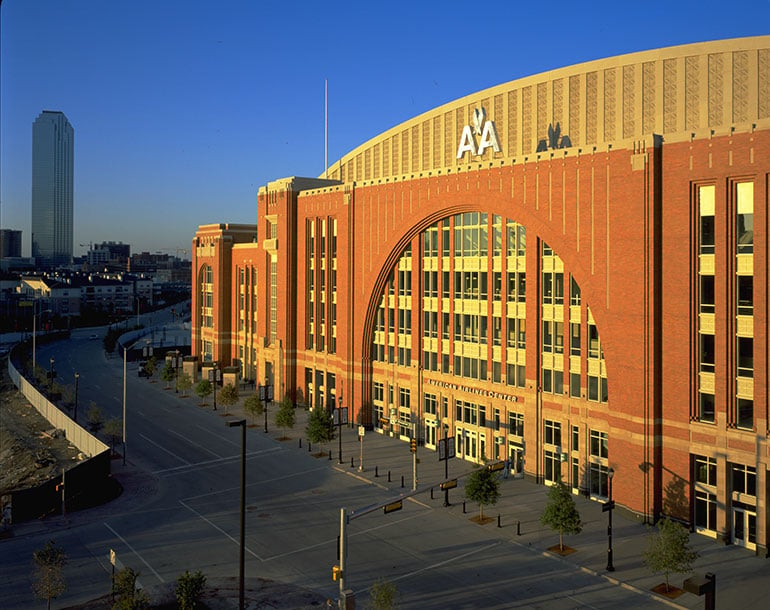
x=574 y=346
x=552 y=432
x=744 y=479
x=705 y=510
x=706 y=407
x=745 y=356
x=431 y=404
x=707 y=353
x=705 y=470
x=516 y=424
x=598 y=444
x=745 y=294
x=552 y=466
x=593 y=341
x=574 y=292
x=706 y=207
x=744 y=408
x=574 y=385
x=707 y=294
x=744 y=193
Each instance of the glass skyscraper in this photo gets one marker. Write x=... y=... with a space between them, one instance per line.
x=53 y=142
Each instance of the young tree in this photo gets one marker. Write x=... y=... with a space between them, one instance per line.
x=320 y=428
x=383 y=595
x=560 y=513
x=94 y=418
x=150 y=366
x=189 y=588
x=203 y=389
x=48 y=579
x=284 y=417
x=68 y=396
x=228 y=396
x=114 y=430
x=41 y=375
x=483 y=486
x=127 y=596
x=184 y=383
x=669 y=550
x=168 y=373
x=253 y=407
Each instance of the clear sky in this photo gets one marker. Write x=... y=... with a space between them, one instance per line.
x=183 y=109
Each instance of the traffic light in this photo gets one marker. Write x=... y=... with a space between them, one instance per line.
x=336 y=572
x=413 y=445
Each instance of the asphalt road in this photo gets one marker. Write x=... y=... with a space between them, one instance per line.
x=181 y=511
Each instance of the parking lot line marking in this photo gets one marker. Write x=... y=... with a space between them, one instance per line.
x=187 y=440
x=220 y=530
x=207 y=463
x=134 y=551
x=152 y=442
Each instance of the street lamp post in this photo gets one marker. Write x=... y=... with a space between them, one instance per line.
x=339 y=434
x=446 y=450
x=242 y=424
x=213 y=378
x=77 y=377
x=608 y=507
x=176 y=371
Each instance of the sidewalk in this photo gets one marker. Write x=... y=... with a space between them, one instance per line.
x=742 y=579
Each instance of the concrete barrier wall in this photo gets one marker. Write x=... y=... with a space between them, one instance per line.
x=86 y=442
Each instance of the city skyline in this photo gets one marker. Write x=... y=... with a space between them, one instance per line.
x=182 y=116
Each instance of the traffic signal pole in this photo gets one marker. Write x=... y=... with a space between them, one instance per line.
x=343 y=550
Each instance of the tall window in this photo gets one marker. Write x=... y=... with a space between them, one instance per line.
x=273 y=301
x=705 y=500
x=207 y=297
x=706 y=303
x=744 y=304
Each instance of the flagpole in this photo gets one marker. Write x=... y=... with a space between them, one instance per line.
x=326 y=128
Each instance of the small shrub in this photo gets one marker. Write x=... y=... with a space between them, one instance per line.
x=189 y=589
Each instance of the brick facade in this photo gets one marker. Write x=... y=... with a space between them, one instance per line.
x=341 y=268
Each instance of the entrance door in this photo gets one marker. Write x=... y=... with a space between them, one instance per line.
x=745 y=528
x=516 y=457
x=430 y=434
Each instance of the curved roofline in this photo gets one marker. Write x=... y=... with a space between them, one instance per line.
x=695 y=73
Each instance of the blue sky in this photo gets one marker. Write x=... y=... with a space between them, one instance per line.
x=182 y=110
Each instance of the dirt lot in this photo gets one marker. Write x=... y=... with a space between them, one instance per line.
x=30 y=452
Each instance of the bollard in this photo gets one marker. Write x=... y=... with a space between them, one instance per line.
x=351 y=463
x=402 y=480
x=308 y=446
x=388 y=476
x=330 y=455
x=300 y=443
x=498 y=521
x=463 y=507
x=518 y=528
x=431 y=493
x=376 y=474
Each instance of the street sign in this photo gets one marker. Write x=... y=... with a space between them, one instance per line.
x=361 y=431
x=340 y=416
x=393 y=507
x=446 y=448
x=112 y=557
x=608 y=506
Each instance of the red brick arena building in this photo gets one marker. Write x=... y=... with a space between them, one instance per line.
x=569 y=271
